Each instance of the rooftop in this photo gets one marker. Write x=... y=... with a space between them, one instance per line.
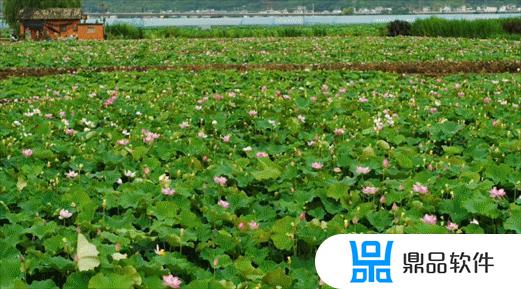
x=51 y=14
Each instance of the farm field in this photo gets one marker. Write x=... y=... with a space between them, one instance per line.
x=232 y=179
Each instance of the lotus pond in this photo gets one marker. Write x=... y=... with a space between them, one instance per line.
x=255 y=50
x=229 y=179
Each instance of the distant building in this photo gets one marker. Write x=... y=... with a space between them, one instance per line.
x=58 y=23
x=490 y=9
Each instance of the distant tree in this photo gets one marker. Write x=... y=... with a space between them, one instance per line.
x=12 y=8
x=348 y=11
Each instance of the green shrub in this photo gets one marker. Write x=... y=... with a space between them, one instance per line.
x=398 y=27
x=124 y=31
x=512 y=26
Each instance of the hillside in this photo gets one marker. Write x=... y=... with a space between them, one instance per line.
x=187 y=5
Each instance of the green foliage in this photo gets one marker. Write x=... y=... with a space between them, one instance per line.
x=398 y=27
x=128 y=31
x=514 y=220
x=124 y=31
x=512 y=26
x=11 y=8
x=480 y=28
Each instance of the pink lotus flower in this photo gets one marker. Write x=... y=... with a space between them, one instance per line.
x=487 y=100
x=216 y=262
x=339 y=131
x=252 y=113
x=362 y=170
x=129 y=174
x=253 y=225
x=419 y=188
x=202 y=100
x=184 y=125
x=226 y=138
x=70 y=131
x=433 y=110
x=168 y=191
x=385 y=163
x=62 y=113
x=148 y=136
x=123 y=142
x=497 y=193
x=27 y=153
x=382 y=199
x=241 y=226
x=71 y=174
x=262 y=155
x=363 y=100
x=429 y=219
x=370 y=190
x=201 y=134
x=221 y=181
x=218 y=97
x=224 y=204
x=64 y=214
x=302 y=216
x=394 y=207
x=111 y=100
x=452 y=226
x=172 y=281
x=317 y=165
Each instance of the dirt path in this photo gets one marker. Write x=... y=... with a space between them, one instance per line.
x=427 y=68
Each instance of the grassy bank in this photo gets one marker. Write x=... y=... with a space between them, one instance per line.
x=126 y=31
